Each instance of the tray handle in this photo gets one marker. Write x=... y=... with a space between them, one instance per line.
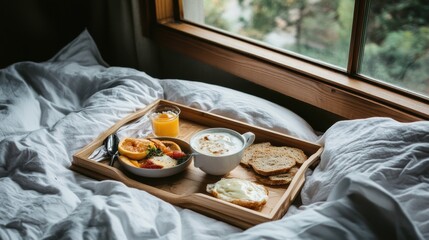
x=297 y=188
x=301 y=179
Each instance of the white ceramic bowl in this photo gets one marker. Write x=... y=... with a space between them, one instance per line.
x=222 y=164
x=163 y=172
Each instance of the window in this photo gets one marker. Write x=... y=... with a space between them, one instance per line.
x=397 y=44
x=318 y=29
x=397 y=34
x=328 y=73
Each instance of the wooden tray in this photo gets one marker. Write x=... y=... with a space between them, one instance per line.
x=188 y=189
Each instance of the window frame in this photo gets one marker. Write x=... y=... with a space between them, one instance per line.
x=345 y=94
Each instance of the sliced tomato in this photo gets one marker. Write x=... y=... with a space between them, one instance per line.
x=176 y=154
x=149 y=164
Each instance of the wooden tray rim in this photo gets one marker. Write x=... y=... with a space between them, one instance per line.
x=81 y=162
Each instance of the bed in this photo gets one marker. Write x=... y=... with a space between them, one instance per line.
x=372 y=181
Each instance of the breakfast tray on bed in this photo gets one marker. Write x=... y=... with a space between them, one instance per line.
x=188 y=188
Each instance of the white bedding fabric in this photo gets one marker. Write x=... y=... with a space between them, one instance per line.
x=372 y=181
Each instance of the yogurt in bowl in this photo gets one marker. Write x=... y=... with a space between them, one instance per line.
x=218 y=151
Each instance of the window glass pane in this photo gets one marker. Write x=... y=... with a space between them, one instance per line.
x=397 y=44
x=319 y=29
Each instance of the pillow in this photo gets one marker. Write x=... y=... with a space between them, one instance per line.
x=237 y=105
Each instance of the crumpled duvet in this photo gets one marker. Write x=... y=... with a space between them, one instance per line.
x=371 y=183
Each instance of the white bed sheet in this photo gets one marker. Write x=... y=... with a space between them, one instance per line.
x=372 y=181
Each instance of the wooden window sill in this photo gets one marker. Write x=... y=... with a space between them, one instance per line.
x=317 y=85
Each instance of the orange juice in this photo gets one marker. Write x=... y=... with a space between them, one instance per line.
x=165 y=121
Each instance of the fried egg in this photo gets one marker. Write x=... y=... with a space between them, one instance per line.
x=239 y=191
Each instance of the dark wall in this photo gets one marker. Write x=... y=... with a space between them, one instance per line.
x=34 y=30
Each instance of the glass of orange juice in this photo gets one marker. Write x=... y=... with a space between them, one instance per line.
x=165 y=121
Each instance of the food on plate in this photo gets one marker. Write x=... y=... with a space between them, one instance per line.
x=280 y=179
x=167 y=147
x=273 y=165
x=155 y=162
x=135 y=148
x=151 y=153
x=172 y=145
x=248 y=153
x=129 y=161
x=163 y=161
x=239 y=191
x=218 y=144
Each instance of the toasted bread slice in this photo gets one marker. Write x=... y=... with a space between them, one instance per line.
x=280 y=179
x=239 y=191
x=296 y=154
x=272 y=160
x=248 y=153
x=272 y=164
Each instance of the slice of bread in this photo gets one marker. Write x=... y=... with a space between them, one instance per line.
x=248 y=153
x=296 y=154
x=269 y=164
x=274 y=160
x=280 y=179
x=239 y=191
